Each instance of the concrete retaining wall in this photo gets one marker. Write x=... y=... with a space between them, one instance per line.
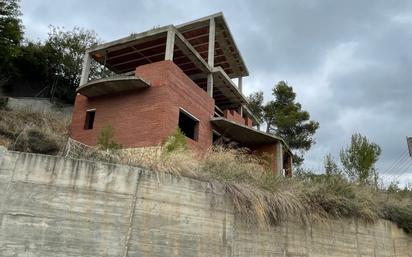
x=51 y=206
x=37 y=105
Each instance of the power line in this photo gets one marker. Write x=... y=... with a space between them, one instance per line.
x=396 y=168
x=402 y=168
x=404 y=171
x=396 y=165
x=402 y=156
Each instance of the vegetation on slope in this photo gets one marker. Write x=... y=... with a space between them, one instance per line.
x=33 y=132
x=256 y=194
x=264 y=199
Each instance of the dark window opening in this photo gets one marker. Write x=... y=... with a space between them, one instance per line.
x=88 y=123
x=189 y=125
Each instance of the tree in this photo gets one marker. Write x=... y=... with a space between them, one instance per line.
x=331 y=168
x=11 y=34
x=284 y=117
x=66 y=51
x=256 y=105
x=359 y=158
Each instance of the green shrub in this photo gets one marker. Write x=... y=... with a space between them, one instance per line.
x=176 y=142
x=401 y=215
x=105 y=139
x=339 y=198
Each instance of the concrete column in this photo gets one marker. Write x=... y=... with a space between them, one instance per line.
x=211 y=49
x=279 y=158
x=210 y=84
x=239 y=83
x=211 y=56
x=170 y=43
x=85 y=69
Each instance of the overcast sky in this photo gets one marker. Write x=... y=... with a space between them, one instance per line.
x=350 y=62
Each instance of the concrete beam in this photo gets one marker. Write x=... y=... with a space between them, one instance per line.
x=85 y=69
x=191 y=52
x=170 y=43
x=123 y=42
x=211 y=48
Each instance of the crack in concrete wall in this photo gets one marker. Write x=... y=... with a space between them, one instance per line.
x=58 y=207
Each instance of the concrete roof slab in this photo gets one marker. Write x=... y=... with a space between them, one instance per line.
x=112 y=85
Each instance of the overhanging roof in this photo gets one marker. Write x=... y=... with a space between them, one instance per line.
x=225 y=92
x=227 y=55
x=112 y=85
x=125 y=54
x=244 y=134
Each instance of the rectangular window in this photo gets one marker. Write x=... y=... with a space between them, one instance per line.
x=189 y=124
x=88 y=123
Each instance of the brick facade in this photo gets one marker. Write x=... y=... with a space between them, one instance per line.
x=147 y=117
x=233 y=115
x=268 y=152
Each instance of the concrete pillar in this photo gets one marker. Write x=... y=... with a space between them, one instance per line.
x=84 y=78
x=279 y=159
x=211 y=56
x=170 y=43
x=239 y=83
x=210 y=84
x=211 y=49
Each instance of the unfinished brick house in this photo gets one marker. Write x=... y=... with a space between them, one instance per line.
x=169 y=77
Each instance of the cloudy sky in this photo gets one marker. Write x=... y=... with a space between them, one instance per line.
x=350 y=62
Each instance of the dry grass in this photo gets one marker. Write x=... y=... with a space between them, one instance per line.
x=258 y=196
x=32 y=131
x=263 y=199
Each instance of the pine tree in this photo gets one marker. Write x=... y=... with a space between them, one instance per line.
x=284 y=117
x=358 y=160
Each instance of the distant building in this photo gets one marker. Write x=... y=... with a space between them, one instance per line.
x=169 y=77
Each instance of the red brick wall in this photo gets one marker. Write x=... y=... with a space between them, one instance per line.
x=147 y=117
x=248 y=122
x=234 y=116
x=268 y=152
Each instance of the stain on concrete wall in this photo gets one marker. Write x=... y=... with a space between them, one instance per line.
x=52 y=206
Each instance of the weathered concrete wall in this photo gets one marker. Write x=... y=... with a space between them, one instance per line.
x=51 y=206
x=35 y=104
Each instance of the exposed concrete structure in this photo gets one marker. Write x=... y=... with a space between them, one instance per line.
x=57 y=207
x=203 y=55
x=112 y=85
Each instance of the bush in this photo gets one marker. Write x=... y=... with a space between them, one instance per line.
x=105 y=139
x=401 y=215
x=176 y=142
x=339 y=198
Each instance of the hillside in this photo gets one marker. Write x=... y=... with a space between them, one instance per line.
x=257 y=196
